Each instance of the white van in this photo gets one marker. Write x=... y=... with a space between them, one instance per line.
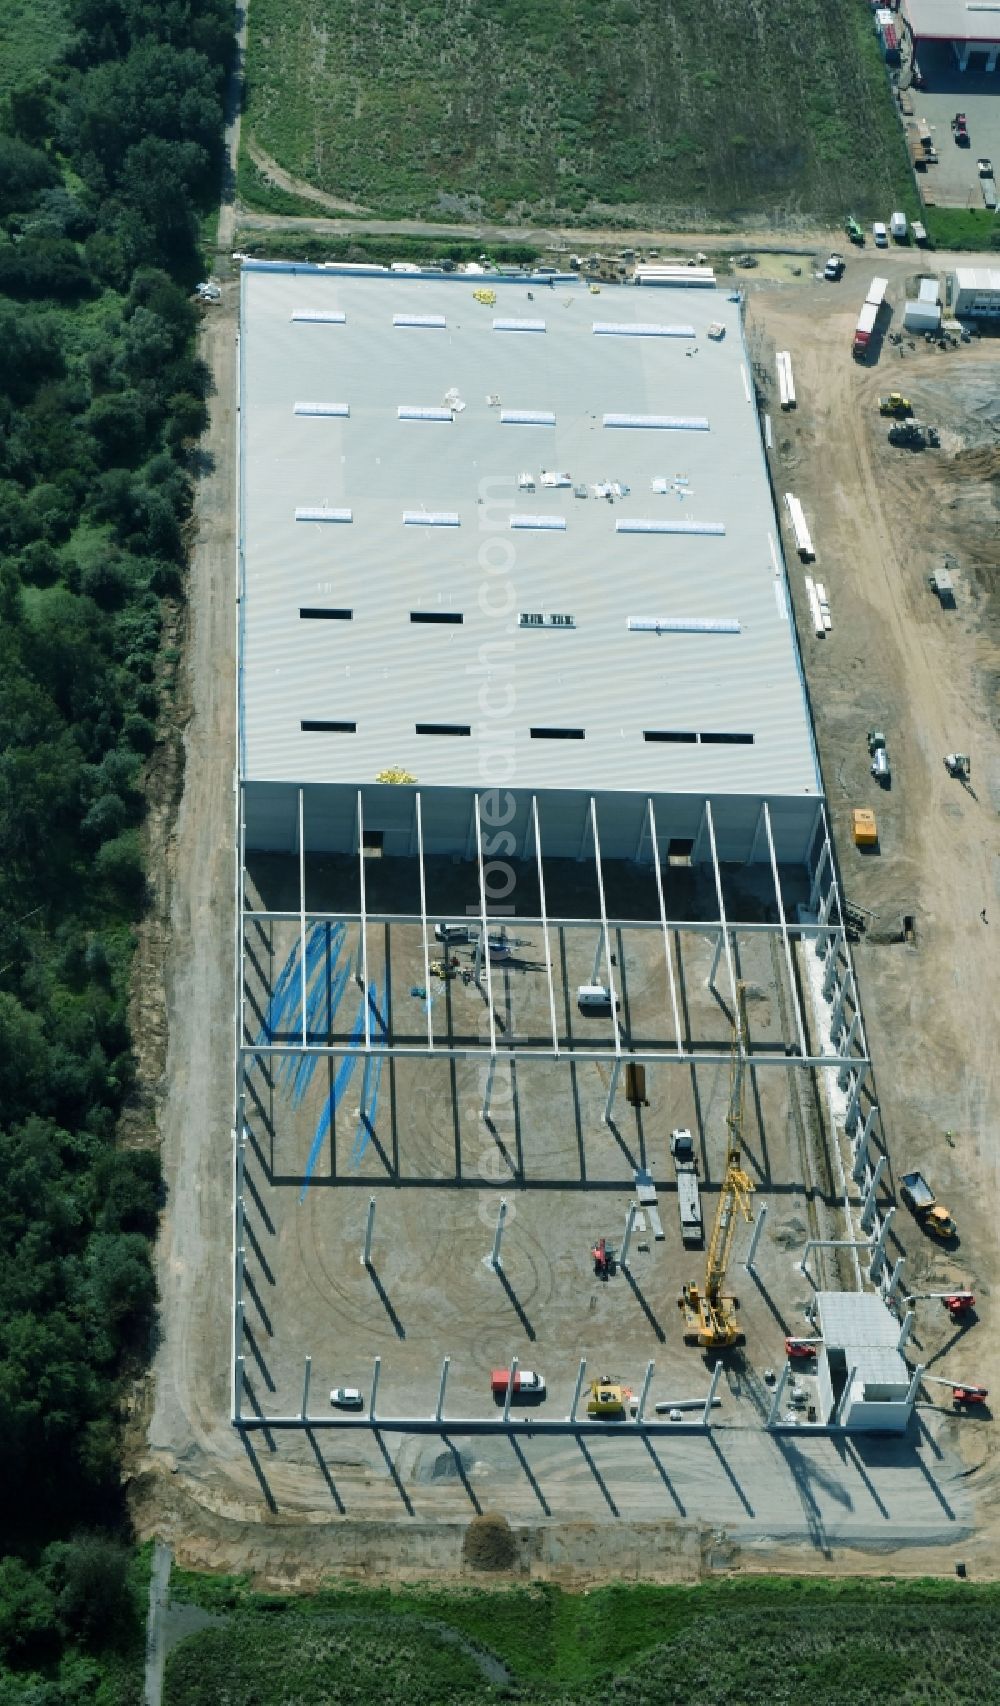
x=880 y=235
x=455 y=935
x=593 y=999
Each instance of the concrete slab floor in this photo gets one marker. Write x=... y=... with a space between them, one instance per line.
x=327 y=1136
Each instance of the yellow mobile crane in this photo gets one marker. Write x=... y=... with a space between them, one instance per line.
x=710 y=1315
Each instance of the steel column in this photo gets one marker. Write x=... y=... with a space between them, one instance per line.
x=671 y=982
x=755 y=1237
x=302 y=911
x=818 y=875
x=485 y=929
x=493 y=1259
x=627 y=1240
x=488 y=1087
x=612 y=1089
x=779 y=1393
x=578 y=1388
x=868 y=1206
x=713 y=1388
x=423 y=921
x=878 y=1254
x=511 y=1379
x=716 y=957
x=364 y=923
x=439 y=1412
x=644 y=1393
x=366 y=1254
x=545 y=926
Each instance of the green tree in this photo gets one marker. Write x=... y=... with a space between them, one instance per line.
x=29 y=1626
x=24 y=173
x=88 y=1580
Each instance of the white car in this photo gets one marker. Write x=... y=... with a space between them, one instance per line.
x=347 y=1398
x=880 y=235
x=456 y=934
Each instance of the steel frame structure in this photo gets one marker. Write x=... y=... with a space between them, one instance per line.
x=828 y=931
x=822 y=930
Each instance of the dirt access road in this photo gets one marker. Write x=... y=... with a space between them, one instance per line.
x=882 y=519
x=558 y=239
x=190 y=1369
x=892 y=658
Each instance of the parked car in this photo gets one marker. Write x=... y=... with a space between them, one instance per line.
x=347 y=1398
x=527 y=1384
x=834 y=268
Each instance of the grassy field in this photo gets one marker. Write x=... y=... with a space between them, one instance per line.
x=379 y=250
x=962 y=228
x=666 y=111
x=32 y=34
x=726 y=1643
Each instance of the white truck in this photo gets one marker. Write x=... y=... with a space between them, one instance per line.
x=688 y=1195
x=897 y=225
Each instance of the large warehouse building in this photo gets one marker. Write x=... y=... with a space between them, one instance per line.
x=510 y=533
x=970 y=27
x=533 y=854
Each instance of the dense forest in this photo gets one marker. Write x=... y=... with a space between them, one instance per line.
x=106 y=166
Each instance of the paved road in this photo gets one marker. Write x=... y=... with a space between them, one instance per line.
x=159 y=1598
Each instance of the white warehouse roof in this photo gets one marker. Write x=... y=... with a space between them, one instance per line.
x=954 y=20
x=977 y=278
x=548 y=513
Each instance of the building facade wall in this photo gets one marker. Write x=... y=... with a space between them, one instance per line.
x=271 y=820
x=977 y=303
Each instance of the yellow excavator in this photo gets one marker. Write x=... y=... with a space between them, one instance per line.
x=709 y=1313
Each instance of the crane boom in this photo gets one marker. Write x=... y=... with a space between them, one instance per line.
x=709 y=1315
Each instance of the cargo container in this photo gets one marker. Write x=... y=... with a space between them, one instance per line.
x=868 y=318
x=864 y=328
x=922 y=316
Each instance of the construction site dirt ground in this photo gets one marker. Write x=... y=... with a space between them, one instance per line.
x=293 y=1508
x=326 y=1139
